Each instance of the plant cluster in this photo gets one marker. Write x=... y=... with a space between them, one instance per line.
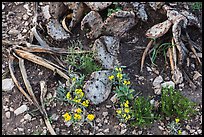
x=128 y=107
x=74 y=95
x=82 y=62
x=175 y=127
x=196 y=5
x=174 y=104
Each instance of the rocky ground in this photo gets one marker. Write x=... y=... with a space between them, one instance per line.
x=19 y=116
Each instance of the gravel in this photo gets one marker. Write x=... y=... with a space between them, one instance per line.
x=7 y=84
x=21 y=109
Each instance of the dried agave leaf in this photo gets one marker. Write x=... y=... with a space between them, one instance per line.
x=158 y=30
x=95 y=22
x=40 y=61
x=119 y=22
x=98 y=87
x=11 y=69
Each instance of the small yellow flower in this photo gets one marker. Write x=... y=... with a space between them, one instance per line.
x=111 y=77
x=90 y=117
x=126 y=82
x=127 y=110
x=78 y=90
x=179 y=132
x=119 y=76
x=85 y=103
x=128 y=117
x=73 y=79
x=124 y=115
x=77 y=100
x=67 y=117
x=126 y=104
x=118 y=69
x=68 y=96
x=77 y=116
x=177 y=120
x=78 y=110
x=119 y=111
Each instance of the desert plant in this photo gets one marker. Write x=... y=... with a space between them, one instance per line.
x=174 y=104
x=142 y=112
x=174 y=127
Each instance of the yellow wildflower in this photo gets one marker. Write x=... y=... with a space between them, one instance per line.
x=124 y=115
x=68 y=96
x=73 y=79
x=77 y=100
x=119 y=111
x=111 y=77
x=78 y=90
x=77 y=116
x=90 y=117
x=177 y=120
x=127 y=110
x=128 y=117
x=118 y=69
x=67 y=117
x=179 y=132
x=126 y=82
x=78 y=110
x=85 y=103
x=119 y=76
x=126 y=104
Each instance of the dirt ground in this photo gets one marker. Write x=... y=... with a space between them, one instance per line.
x=131 y=49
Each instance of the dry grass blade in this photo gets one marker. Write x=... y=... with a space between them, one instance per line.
x=174 y=53
x=11 y=69
x=27 y=83
x=40 y=61
x=39 y=39
x=144 y=54
x=64 y=23
x=171 y=59
x=192 y=48
x=42 y=96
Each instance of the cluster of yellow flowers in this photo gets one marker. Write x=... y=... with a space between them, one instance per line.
x=78 y=97
x=124 y=111
x=77 y=115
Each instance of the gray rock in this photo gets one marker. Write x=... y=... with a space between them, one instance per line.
x=98 y=87
x=188 y=127
x=8 y=114
x=157 y=81
x=139 y=132
x=184 y=132
x=97 y=6
x=7 y=84
x=106 y=130
x=108 y=106
x=20 y=129
x=123 y=131
x=13 y=32
x=168 y=84
x=3 y=6
x=28 y=117
x=114 y=98
x=54 y=117
x=107 y=48
x=161 y=128
x=25 y=16
x=98 y=120
x=100 y=133
x=21 y=109
x=105 y=114
x=157 y=91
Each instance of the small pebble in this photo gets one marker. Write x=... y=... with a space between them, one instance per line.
x=106 y=130
x=105 y=114
x=108 y=106
x=28 y=117
x=7 y=84
x=139 y=132
x=21 y=109
x=123 y=131
x=188 y=127
x=184 y=132
x=100 y=133
x=161 y=128
x=8 y=114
